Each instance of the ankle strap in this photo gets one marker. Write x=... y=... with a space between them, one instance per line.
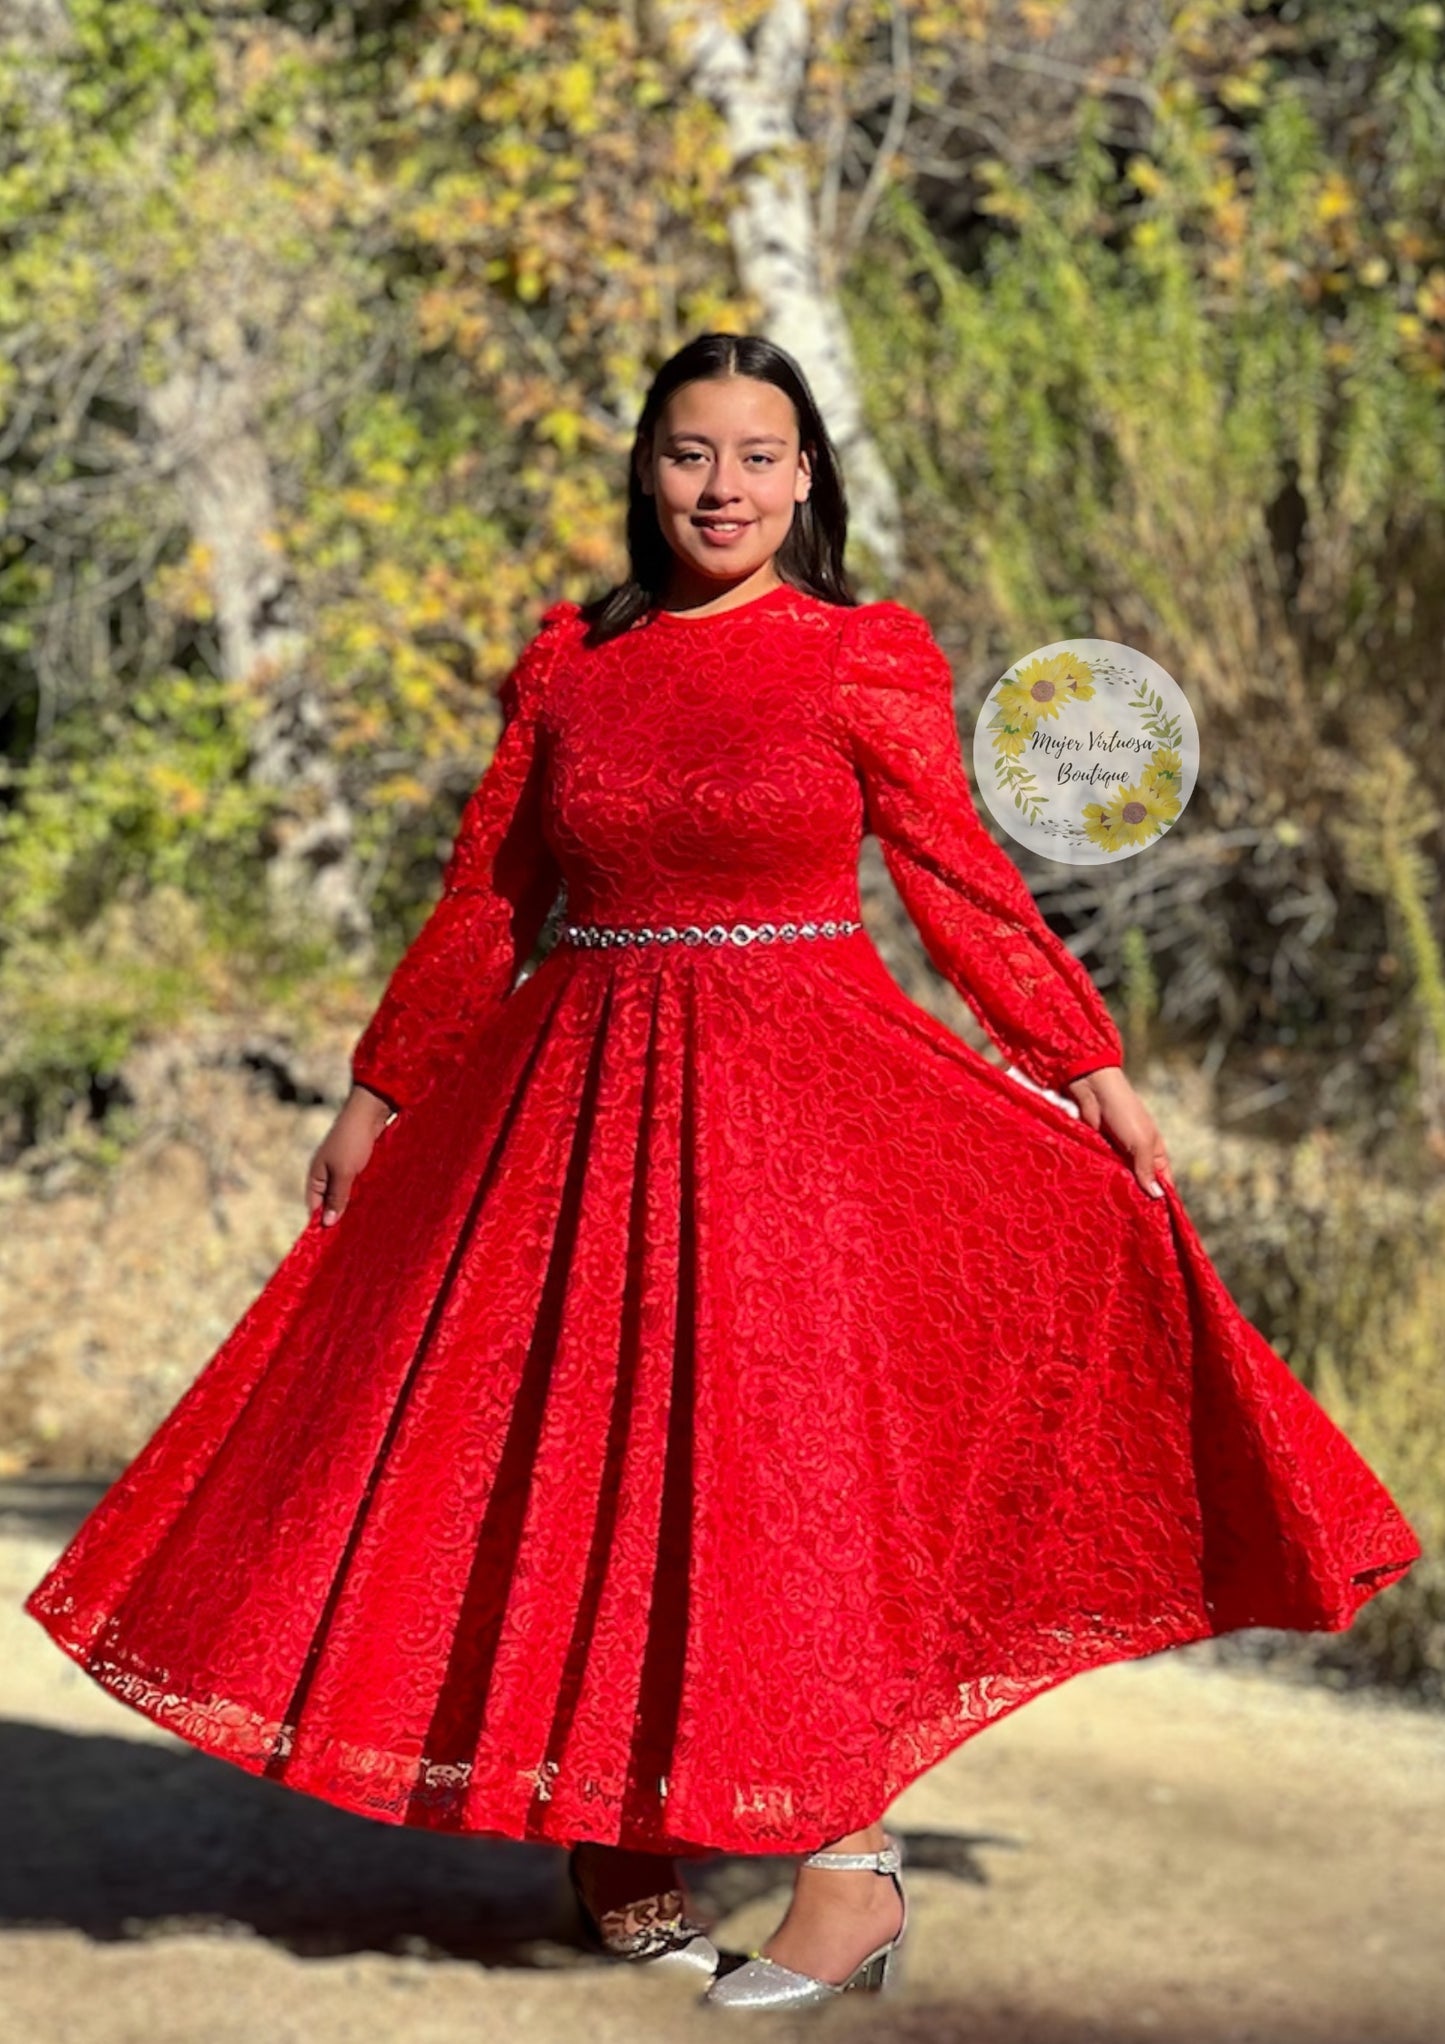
x=889 y=1861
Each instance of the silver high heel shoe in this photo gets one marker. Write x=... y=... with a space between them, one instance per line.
x=762 y=1983
x=674 y=1944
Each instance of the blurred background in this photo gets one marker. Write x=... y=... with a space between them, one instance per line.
x=323 y=332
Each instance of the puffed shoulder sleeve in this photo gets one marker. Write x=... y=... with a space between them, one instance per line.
x=979 y=923
x=497 y=887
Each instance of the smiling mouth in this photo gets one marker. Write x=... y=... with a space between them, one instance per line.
x=722 y=524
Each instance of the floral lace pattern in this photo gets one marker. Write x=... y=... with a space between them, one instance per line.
x=726 y=1391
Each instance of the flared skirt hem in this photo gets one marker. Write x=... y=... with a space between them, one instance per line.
x=452 y=1798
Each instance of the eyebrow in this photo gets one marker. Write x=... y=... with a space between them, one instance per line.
x=753 y=439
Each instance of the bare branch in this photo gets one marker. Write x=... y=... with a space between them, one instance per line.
x=893 y=133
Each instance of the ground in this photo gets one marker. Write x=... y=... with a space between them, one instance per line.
x=1171 y=1849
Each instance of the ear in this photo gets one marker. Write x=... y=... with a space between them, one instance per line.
x=803 y=482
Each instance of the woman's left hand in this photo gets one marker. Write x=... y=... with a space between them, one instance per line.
x=1106 y=1100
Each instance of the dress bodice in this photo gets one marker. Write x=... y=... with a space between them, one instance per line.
x=694 y=770
x=719 y=768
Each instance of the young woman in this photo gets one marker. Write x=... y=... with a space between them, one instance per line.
x=706 y=1391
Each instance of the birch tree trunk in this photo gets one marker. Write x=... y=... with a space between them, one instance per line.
x=205 y=420
x=775 y=235
x=204 y=416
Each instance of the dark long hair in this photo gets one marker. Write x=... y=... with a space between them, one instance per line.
x=810 y=558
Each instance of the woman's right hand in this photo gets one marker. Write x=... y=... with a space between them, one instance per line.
x=341 y=1155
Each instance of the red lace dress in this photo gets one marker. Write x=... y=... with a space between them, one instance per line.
x=726 y=1391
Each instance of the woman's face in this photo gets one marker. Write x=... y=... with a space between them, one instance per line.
x=726 y=472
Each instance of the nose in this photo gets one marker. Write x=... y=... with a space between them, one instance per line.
x=723 y=485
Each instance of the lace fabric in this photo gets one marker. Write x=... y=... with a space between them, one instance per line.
x=894 y=719
x=497 y=887
x=726 y=1391
x=978 y=921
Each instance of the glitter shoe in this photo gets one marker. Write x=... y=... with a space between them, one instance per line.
x=762 y=1983
x=670 y=1944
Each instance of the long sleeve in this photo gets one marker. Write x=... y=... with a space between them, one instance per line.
x=979 y=923
x=498 y=885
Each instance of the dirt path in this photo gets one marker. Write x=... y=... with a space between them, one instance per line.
x=1166 y=1849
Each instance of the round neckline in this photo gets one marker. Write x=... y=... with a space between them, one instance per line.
x=717 y=617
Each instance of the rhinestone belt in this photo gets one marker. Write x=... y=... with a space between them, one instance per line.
x=694 y=933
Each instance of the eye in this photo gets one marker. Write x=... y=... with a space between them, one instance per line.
x=695 y=454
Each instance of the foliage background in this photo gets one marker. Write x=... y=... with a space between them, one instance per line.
x=322 y=332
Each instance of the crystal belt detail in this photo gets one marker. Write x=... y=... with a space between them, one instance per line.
x=603 y=934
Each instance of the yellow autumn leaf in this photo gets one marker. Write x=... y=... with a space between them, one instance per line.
x=177 y=791
x=391 y=582
x=1430 y=298
x=455 y=91
x=1241 y=93
x=366 y=504
x=573 y=86
x=1335 y=200
x=563 y=428
x=402 y=788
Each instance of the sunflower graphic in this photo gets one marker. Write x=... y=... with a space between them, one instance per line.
x=1043 y=687
x=1130 y=816
x=1164 y=773
x=1012 y=739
